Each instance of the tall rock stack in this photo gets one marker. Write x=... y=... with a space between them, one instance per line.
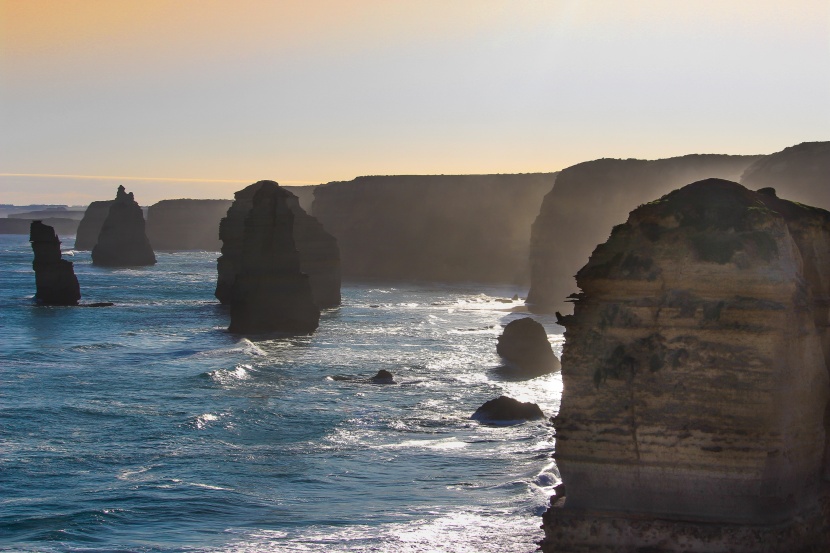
x=259 y=270
x=54 y=277
x=90 y=226
x=318 y=250
x=695 y=380
x=123 y=241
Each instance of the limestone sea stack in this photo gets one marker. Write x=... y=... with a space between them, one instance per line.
x=123 y=241
x=90 y=226
x=694 y=411
x=524 y=345
x=259 y=270
x=318 y=250
x=55 y=278
x=591 y=197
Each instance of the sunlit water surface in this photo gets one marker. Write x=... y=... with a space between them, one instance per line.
x=147 y=427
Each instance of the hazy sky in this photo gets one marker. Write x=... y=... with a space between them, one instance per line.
x=312 y=91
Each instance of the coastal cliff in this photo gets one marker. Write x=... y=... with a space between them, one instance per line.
x=318 y=250
x=800 y=173
x=444 y=228
x=90 y=226
x=694 y=413
x=55 y=279
x=123 y=241
x=186 y=224
x=259 y=270
x=588 y=199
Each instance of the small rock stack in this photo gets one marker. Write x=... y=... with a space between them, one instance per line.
x=123 y=241
x=54 y=277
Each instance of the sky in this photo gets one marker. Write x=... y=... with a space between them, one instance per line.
x=198 y=98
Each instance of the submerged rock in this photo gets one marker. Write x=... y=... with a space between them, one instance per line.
x=259 y=271
x=524 y=345
x=123 y=241
x=695 y=378
x=504 y=410
x=383 y=377
x=55 y=278
x=90 y=226
x=319 y=255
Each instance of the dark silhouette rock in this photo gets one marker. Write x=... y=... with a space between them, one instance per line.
x=524 y=345
x=175 y=225
x=319 y=254
x=383 y=377
x=800 y=173
x=440 y=228
x=90 y=226
x=54 y=277
x=588 y=199
x=504 y=410
x=123 y=241
x=259 y=270
x=695 y=376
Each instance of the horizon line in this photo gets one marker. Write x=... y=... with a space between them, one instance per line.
x=164 y=179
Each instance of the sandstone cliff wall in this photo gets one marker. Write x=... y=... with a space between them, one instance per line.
x=186 y=224
x=590 y=198
x=695 y=380
x=64 y=227
x=90 y=226
x=446 y=228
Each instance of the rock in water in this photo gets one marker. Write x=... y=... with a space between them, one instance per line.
x=54 y=277
x=318 y=250
x=524 y=345
x=123 y=241
x=383 y=377
x=259 y=270
x=505 y=409
x=695 y=380
x=90 y=226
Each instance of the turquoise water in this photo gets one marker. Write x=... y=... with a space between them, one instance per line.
x=147 y=427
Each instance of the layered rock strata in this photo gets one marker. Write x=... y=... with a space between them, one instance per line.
x=318 y=250
x=590 y=198
x=55 y=278
x=90 y=226
x=524 y=345
x=123 y=241
x=259 y=270
x=186 y=224
x=440 y=228
x=694 y=411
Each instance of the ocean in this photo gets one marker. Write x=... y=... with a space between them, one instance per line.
x=146 y=426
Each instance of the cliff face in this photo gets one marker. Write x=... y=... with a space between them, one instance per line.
x=318 y=250
x=14 y=225
x=123 y=241
x=54 y=277
x=695 y=380
x=90 y=226
x=259 y=270
x=446 y=228
x=186 y=224
x=800 y=173
x=590 y=198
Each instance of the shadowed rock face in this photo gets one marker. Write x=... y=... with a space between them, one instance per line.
x=318 y=250
x=444 y=228
x=800 y=173
x=524 y=344
x=64 y=227
x=54 y=277
x=505 y=409
x=259 y=271
x=123 y=241
x=695 y=380
x=186 y=224
x=590 y=198
x=90 y=226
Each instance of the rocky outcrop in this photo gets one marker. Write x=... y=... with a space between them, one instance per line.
x=591 y=197
x=443 y=228
x=90 y=226
x=505 y=410
x=694 y=412
x=123 y=241
x=175 y=225
x=524 y=345
x=55 y=279
x=318 y=250
x=259 y=270
x=800 y=173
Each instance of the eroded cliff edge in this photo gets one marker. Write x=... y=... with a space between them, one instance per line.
x=694 y=414
x=186 y=224
x=90 y=226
